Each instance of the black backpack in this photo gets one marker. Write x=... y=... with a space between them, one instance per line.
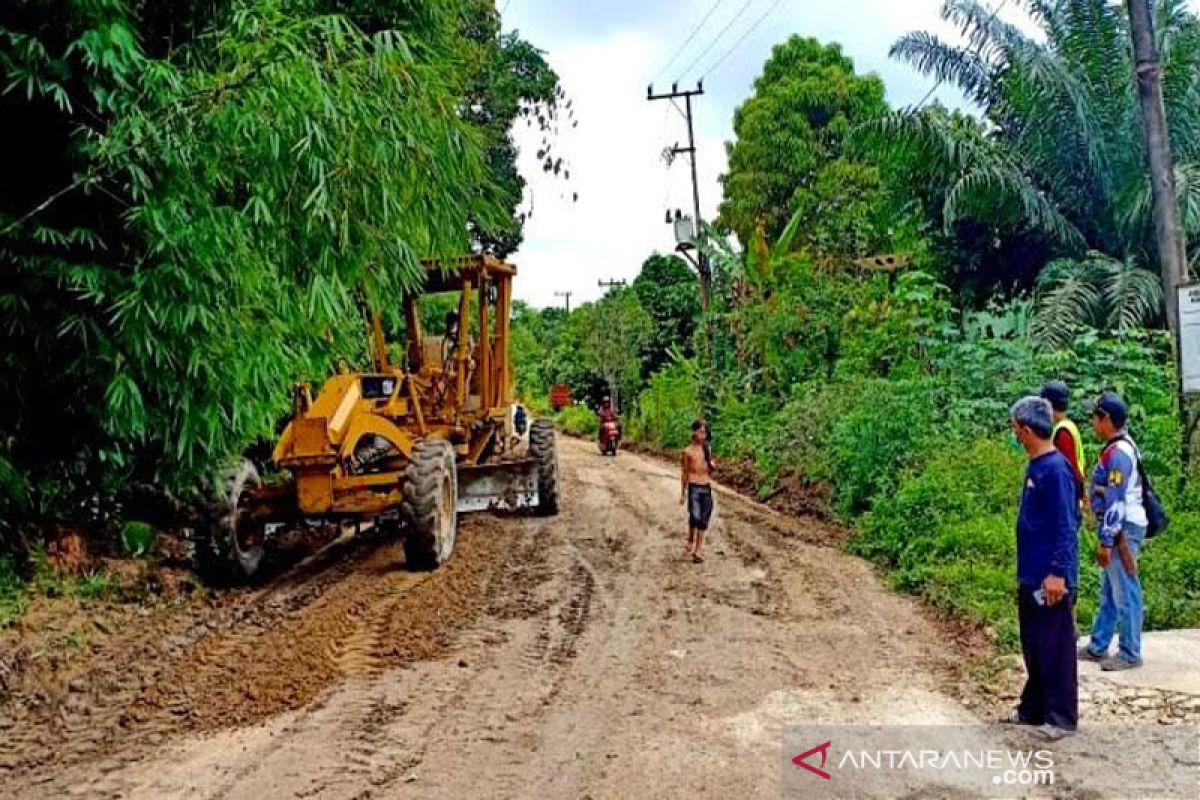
x=1157 y=520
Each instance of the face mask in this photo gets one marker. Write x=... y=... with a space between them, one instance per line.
x=1015 y=443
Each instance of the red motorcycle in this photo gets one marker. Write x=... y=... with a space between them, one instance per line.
x=610 y=436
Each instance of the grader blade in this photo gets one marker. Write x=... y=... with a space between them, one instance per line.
x=507 y=486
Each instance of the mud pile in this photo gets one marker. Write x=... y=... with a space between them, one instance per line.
x=242 y=655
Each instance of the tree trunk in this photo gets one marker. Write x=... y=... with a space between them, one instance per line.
x=1172 y=252
x=1169 y=234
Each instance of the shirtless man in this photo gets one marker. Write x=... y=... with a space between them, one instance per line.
x=695 y=489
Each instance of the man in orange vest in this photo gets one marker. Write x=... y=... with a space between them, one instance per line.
x=1066 y=435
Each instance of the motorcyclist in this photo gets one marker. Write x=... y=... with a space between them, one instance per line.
x=607 y=415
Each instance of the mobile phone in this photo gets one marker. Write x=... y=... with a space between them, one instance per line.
x=1039 y=596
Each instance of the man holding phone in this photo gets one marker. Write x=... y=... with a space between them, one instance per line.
x=1047 y=575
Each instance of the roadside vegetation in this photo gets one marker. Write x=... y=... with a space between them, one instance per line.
x=197 y=201
x=203 y=194
x=1027 y=254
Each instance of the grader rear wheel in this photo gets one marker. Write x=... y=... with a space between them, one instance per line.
x=542 y=447
x=229 y=543
x=430 y=505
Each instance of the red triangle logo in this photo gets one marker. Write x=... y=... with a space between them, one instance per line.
x=823 y=749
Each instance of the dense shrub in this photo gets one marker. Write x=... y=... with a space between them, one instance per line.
x=578 y=420
x=888 y=429
x=947 y=531
x=668 y=407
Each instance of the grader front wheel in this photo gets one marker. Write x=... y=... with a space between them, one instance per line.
x=430 y=505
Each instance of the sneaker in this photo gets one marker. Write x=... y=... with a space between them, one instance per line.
x=1052 y=733
x=1118 y=664
x=1086 y=654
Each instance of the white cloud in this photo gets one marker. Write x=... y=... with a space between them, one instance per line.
x=614 y=157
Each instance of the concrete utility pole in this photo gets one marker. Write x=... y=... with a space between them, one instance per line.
x=567 y=297
x=700 y=262
x=1172 y=255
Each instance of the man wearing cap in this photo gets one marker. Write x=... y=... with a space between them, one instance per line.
x=1047 y=574
x=1117 y=500
x=1066 y=435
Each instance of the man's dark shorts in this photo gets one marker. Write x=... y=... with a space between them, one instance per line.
x=700 y=505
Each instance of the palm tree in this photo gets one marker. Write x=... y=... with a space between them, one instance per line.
x=1060 y=149
x=1094 y=292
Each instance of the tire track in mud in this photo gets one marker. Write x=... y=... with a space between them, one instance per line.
x=574 y=614
x=760 y=593
x=586 y=657
x=268 y=651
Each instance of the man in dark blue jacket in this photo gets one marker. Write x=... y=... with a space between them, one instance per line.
x=1047 y=575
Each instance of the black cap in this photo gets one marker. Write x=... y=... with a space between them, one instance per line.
x=1113 y=407
x=1059 y=395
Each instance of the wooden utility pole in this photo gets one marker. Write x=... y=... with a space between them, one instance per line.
x=566 y=297
x=1171 y=250
x=700 y=262
x=615 y=283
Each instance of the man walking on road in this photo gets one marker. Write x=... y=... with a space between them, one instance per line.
x=695 y=489
x=1047 y=574
x=1117 y=497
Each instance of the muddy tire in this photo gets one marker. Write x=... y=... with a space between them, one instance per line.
x=229 y=546
x=430 y=505
x=542 y=448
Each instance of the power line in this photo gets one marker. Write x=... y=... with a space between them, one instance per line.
x=743 y=38
x=978 y=49
x=713 y=43
x=688 y=40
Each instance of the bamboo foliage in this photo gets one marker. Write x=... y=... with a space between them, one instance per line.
x=210 y=216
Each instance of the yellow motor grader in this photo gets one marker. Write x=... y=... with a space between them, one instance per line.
x=405 y=446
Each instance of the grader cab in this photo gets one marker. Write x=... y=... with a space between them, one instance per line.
x=408 y=445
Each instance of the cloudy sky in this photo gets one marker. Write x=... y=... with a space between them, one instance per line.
x=606 y=52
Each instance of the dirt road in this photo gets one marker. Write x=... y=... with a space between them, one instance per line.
x=578 y=656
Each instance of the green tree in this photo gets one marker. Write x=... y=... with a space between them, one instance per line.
x=1063 y=153
x=668 y=290
x=790 y=151
x=202 y=200
x=616 y=331
x=507 y=81
x=1095 y=292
